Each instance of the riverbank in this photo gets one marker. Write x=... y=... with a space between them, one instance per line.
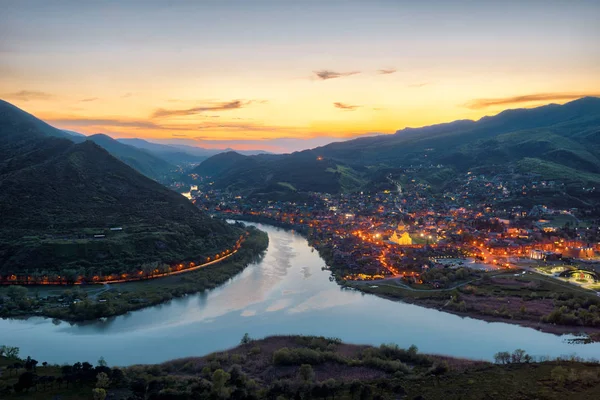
x=307 y=367
x=530 y=300
x=89 y=302
x=498 y=299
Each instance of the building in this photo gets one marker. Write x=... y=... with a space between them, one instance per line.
x=401 y=236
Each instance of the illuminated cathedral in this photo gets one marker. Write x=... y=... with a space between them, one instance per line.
x=401 y=236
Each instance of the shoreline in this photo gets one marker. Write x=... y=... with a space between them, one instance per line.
x=139 y=294
x=592 y=333
x=558 y=330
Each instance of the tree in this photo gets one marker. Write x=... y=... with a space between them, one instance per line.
x=102 y=381
x=237 y=376
x=502 y=357
x=517 y=356
x=27 y=380
x=16 y=292
x=246 y=339
x=306 y=373
x=102 y=362
x=219 y=379
x=30 y=364
x=355 y=388
x=118 y=377
x=413 y=350
x=99 y=394
x=9 y=352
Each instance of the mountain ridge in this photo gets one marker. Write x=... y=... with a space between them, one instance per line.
x=567 y=135
x=55 y=195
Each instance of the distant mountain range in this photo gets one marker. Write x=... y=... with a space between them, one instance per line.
x=466 y=143
x=55 y=195
x=545 y=140
x=155 y=160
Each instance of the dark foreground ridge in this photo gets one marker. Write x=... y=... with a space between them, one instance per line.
x=304 y=367
x=74 y=210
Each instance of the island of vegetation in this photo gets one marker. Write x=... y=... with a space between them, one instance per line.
x=304 y=367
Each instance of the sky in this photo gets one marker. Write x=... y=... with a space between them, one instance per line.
x=285 y=75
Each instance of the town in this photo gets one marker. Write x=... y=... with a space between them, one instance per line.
x=405 y=232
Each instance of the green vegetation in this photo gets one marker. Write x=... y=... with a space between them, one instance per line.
x=82 y=303
x=304 y=367
x=279 y=174
x=553 y=171
x=530 y=300
x=555 y=142
x=143 y=161
x=59 y=201
x=287 y=185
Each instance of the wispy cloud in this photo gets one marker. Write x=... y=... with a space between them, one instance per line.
x=345 y=107
x=88 y=99
x=26 y=95
x=234 y=126
x=418 y=85
x=126 y=95
x=483 y=103
x=222 y=106
x=387 y=71
x=110 y=122
x=325 y=74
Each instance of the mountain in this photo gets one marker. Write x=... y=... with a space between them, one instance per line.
x=545 y=138
x=219 y=163
x=143 y=161
x=450 y=143
x=55 y=195
x=279 y=174
x=178 y=154
x=73 y=133
x=172 y=154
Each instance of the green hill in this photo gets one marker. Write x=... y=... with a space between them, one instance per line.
x=143 y=161
x=281 y=175
x=55 y=195
x=566 y=136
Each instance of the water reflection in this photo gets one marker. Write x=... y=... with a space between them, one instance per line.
x=286 y=292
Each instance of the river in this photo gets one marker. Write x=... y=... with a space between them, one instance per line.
x=287 y=292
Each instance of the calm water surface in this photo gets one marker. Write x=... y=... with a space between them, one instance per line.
x=285 y=293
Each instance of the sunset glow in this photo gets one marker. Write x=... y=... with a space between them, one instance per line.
x=287 y=75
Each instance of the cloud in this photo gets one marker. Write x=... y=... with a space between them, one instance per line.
x=483 y=103
x=345 y=107
x=325 y=74
x=112 y=122
x=418 y=85
x=126 y=95
x=235 y=126
x=26 y=95
x=88 y=99
x=223 y=106
x=386 y=71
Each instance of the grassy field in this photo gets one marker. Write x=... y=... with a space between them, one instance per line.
x=531 y=300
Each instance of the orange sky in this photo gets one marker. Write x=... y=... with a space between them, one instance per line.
x=246 y=75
